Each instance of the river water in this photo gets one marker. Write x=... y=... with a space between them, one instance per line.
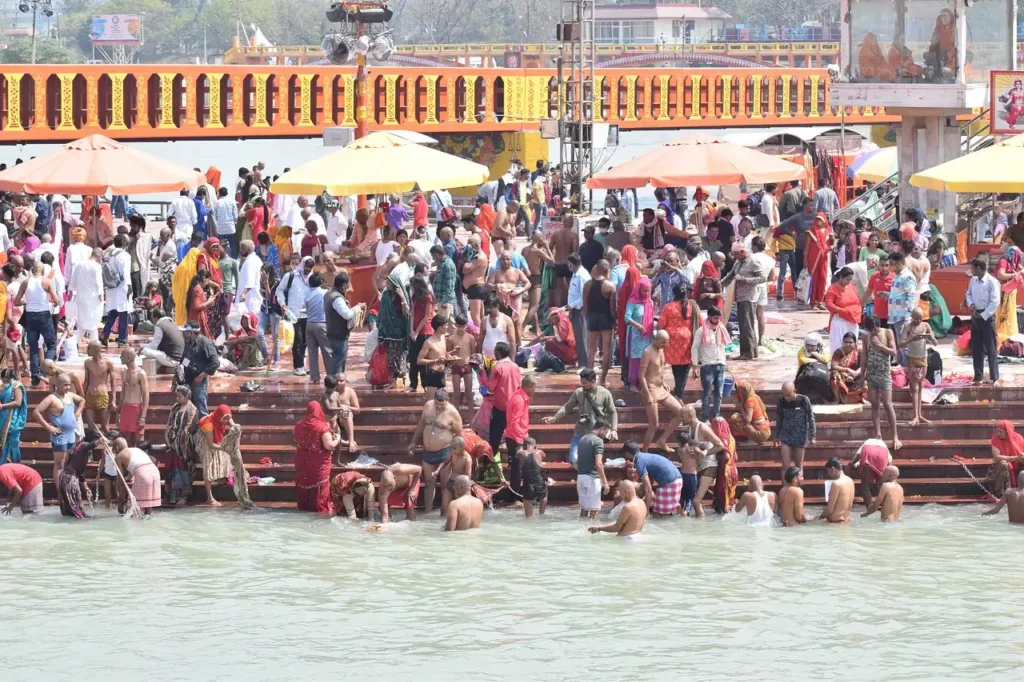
x=278 y=595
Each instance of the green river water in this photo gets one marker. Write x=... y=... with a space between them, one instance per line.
x=283 y=596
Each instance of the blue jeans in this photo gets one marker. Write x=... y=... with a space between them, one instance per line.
x=339 y=355
x=271 y=321
x=901 y=352
x=573 y=446
x=39 y=324
x=199 y=394
x=712 y=378
x=122 y=326
x=785 y=263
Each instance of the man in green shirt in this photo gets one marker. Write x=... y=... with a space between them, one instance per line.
x=593 y=403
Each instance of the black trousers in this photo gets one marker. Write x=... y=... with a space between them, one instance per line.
x=415 y=368
x=497 y=431
x=515 y=476
x=299 y=345
x=983 y=344
x=680 y=373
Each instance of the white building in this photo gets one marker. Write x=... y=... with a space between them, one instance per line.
x=670 y=23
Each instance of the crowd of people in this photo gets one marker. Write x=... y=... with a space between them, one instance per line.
x=457 y=299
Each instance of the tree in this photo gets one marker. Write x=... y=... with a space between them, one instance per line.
x=446 y=21
x=19 y=51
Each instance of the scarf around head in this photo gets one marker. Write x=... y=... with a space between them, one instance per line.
x=641 y=295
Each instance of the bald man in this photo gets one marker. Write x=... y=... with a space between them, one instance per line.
x=399 y=487
x=758 y=504
x=1013 y=500
x=890 y=496
x=632 y=514
x=655 y=394
x=465 y=511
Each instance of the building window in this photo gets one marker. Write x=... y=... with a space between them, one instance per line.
x=606 y=31
x=637 y=31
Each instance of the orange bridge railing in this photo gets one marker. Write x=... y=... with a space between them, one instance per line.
x=165 y=102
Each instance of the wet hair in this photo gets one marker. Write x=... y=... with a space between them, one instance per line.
x=834 y=463
x=10 y=270
x=441 y=395
x=461 y=320
x=683 y=438
x=501 y=350
x=631 y=447
x=137 y=219
x=438 y=321
x=330 y=382
x=588 y=374
x=791 y=474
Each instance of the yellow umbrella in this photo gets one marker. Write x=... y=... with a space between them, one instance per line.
x=879 y=166
x=380 y=163
x=993 y=170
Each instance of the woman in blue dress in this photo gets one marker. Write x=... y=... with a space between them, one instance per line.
x=13 y=415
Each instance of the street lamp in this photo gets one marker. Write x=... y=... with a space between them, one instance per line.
x=26 y=6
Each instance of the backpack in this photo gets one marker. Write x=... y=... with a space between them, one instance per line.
x=754 y=200
x=377 y=373
x=112 y=276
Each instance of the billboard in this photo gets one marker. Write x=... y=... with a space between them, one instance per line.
x=116 y=29
x=1006 y=111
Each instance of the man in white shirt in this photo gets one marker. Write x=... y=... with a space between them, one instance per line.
x=225 y=215
x=292 y=292
x=767 y=264
x=85 y=308
x=248 y=290
x=385 y=247
x=183 y=210
x=337 y=227
x=119 y=297
x=575 y=307
x=983 y=301
x=294 y=218
x=440 y=199
x=769 y=209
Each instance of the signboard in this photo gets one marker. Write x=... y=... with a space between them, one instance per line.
x=1006 y=110
x=116 y=29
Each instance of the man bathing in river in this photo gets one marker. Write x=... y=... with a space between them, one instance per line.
x=651 y=467
x=631 y=516
x=399 y=487
x=758 y=504
x=458 y=463
x=1013 y=500
x=790 y=505
x=465 y=511
x=439 y=424
x=655 y=394
x=890 y=496
x=840 y=495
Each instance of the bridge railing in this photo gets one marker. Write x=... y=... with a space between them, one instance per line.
x=54 y=103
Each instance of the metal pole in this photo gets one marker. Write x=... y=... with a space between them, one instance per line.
x=35 y=10
x=361 y=97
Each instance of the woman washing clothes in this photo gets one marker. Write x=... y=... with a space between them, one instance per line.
x=244 y=345
x=315 y=444
x=352 y=494
x=1007 y=455
x=218 y=446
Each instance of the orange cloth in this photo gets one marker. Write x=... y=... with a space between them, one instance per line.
x=213 y=177
x=680 y=330
x=843 y=302
x=486 y=218
x=816 y=254
x=871 y=63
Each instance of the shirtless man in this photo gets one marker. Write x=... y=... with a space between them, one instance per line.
x=632 y=515
x=56 y=413
x=99 y=386
x=753 y=501
x=439 y=424
x=458 y=463
x=654 y=393
x=536 y=254
x=510 y=284
x=563 y=242
x=600 y=319
x=790 y=507
x=505 y=222
x=465 y=511
x=459 y=345
x=474 y=276
x=1013 y=500
x=840 y=495
x=710 y=446
x=434 y=357
x=399 y=486
x=688 y=453
x=915 y=337
x=890 y=496
x=131 y=409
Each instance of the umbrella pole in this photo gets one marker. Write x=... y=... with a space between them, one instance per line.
x=95 y=217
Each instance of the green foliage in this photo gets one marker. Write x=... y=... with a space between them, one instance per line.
x=19 y=51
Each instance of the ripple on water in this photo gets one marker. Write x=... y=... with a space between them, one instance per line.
x=285 y=596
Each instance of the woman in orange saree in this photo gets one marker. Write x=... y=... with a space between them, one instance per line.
x=750 y=421
x=728 y=474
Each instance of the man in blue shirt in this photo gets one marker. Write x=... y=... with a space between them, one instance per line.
x=651 y=468
x=44 y=214
x=575 y=307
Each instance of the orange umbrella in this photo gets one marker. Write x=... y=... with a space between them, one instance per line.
x=96 y=165
x=698 y=160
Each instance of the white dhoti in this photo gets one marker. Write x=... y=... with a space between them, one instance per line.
x=838 y=329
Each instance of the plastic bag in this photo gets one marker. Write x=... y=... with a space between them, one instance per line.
x=370 y=345
x=803 y=287
x=285 y=336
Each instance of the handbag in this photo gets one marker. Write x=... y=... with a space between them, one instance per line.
x=803 y=287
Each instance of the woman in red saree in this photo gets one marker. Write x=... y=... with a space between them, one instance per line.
x=198 y=302
x=1007 y=455
x=629 y=282
x=728 y=474
x=817 y=243
x=314 y=448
